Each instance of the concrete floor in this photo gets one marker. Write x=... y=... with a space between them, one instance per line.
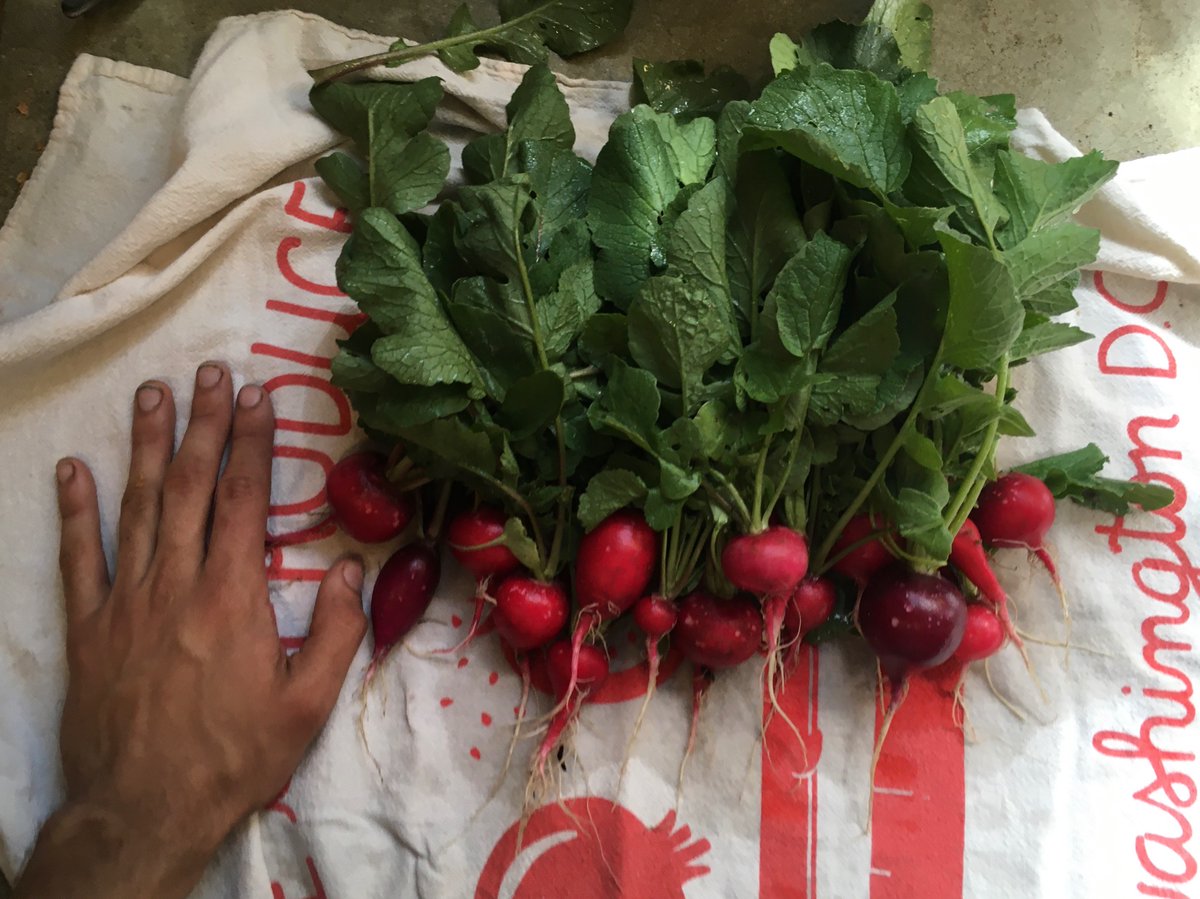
x=1121 y=75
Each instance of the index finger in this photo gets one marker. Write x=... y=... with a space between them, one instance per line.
x=243 y=497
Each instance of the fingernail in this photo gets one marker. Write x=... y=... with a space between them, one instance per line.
x=352 y=573
x=65 y=470
x=148 y=397
x=208 y=375
x=250 y=396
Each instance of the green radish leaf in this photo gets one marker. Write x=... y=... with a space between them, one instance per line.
x=482 y=315
x=911 y=24
x=1045 y=257
x=729 y=136
x=605 y=334
x=835 y=397
x=560 y=181
x=352 y=368
x=988 y=124
x=915 y=91
x=1044 y=337
x=451 y=445
x=1057 y=299
x=843 y=122
x=380 y=268
x=808 y=294
x=489 y=227
x=568 y=27
x=633 y=183
x=460 y=57
x=682 y=89
x=660 y=511
x=869 y=346
x=538 y=111
x=440 y=259
x=1041 y=194
x=865 y=47
x=985 y=315
x=691 y=146
x=629 y=407
x=944 y=173
x=676 y=332
x=607 y=492
x=1076 y=476
x=347 y=179
x=409 y=174
x=696 y=249
x=521 y=545
x=786 y=54
x=918 y=517
x=923 y=451
x=531 y=404
x=405 y=406
x=919 y=224
x=563 y=313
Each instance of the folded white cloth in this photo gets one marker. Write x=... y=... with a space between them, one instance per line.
x=172 y=221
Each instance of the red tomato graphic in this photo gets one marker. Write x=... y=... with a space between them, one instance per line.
x=591 y=848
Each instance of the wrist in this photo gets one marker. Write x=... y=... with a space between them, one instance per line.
x=95 y=849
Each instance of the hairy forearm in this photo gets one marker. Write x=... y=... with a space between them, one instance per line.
x=91 y=852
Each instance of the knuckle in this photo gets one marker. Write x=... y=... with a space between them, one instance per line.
x=185 y=476
x=239 y=490
x=139 y=502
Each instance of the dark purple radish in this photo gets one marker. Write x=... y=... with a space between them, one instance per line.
x=911 y=621
x=983 y=636
x=613 y=567
x=768 y=563
x=364 y=502
x=655 y=615
x=472 y=537
x=402 y=593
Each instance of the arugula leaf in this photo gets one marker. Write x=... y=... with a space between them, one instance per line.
x=682 y=89
x=609 y=491
x=1042 y=194
x=843 y=122
x=633 y=183
x=943 y=172
x=808 y=294
x=1076 y=476
x=910 y=23
x=676 y=332
x=985 y=315
x=1045 y=257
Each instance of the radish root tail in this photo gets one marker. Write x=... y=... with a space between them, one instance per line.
x=700 y=682
x=898 y=694
x=652 y=663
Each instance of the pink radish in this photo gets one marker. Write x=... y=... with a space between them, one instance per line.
x=401 y=595
x=573 y=675
x=613 y=567
x=858 y=555
x=771 y=562
x=472 y=538
x=983 y=635
x=365 y=504
x=911 y=621
x=529 y=613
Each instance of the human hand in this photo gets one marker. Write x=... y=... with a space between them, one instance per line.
x=183 y=714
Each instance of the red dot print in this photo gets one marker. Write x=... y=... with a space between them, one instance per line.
x=475 y=754
x=455 y=621
x=486 y=719
x=1167 y=325
x=493 y=677
x=462 y=663
x=1127 y=690
x=447 y=702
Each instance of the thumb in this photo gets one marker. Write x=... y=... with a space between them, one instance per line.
x=338 y=625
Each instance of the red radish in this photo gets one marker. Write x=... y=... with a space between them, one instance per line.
x=401 y=595
x=656 y=616
x=529 y=613
x=859 y=555
x=1017 y=510
x=472 y=538
x=911 y=621
x=810 y=605
x=612 y=570
x=770 y=562
x=718 y=633
x=614 y=564
x=365 y=504
x=982 y=637
x=968 y=556
x=573 y=675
